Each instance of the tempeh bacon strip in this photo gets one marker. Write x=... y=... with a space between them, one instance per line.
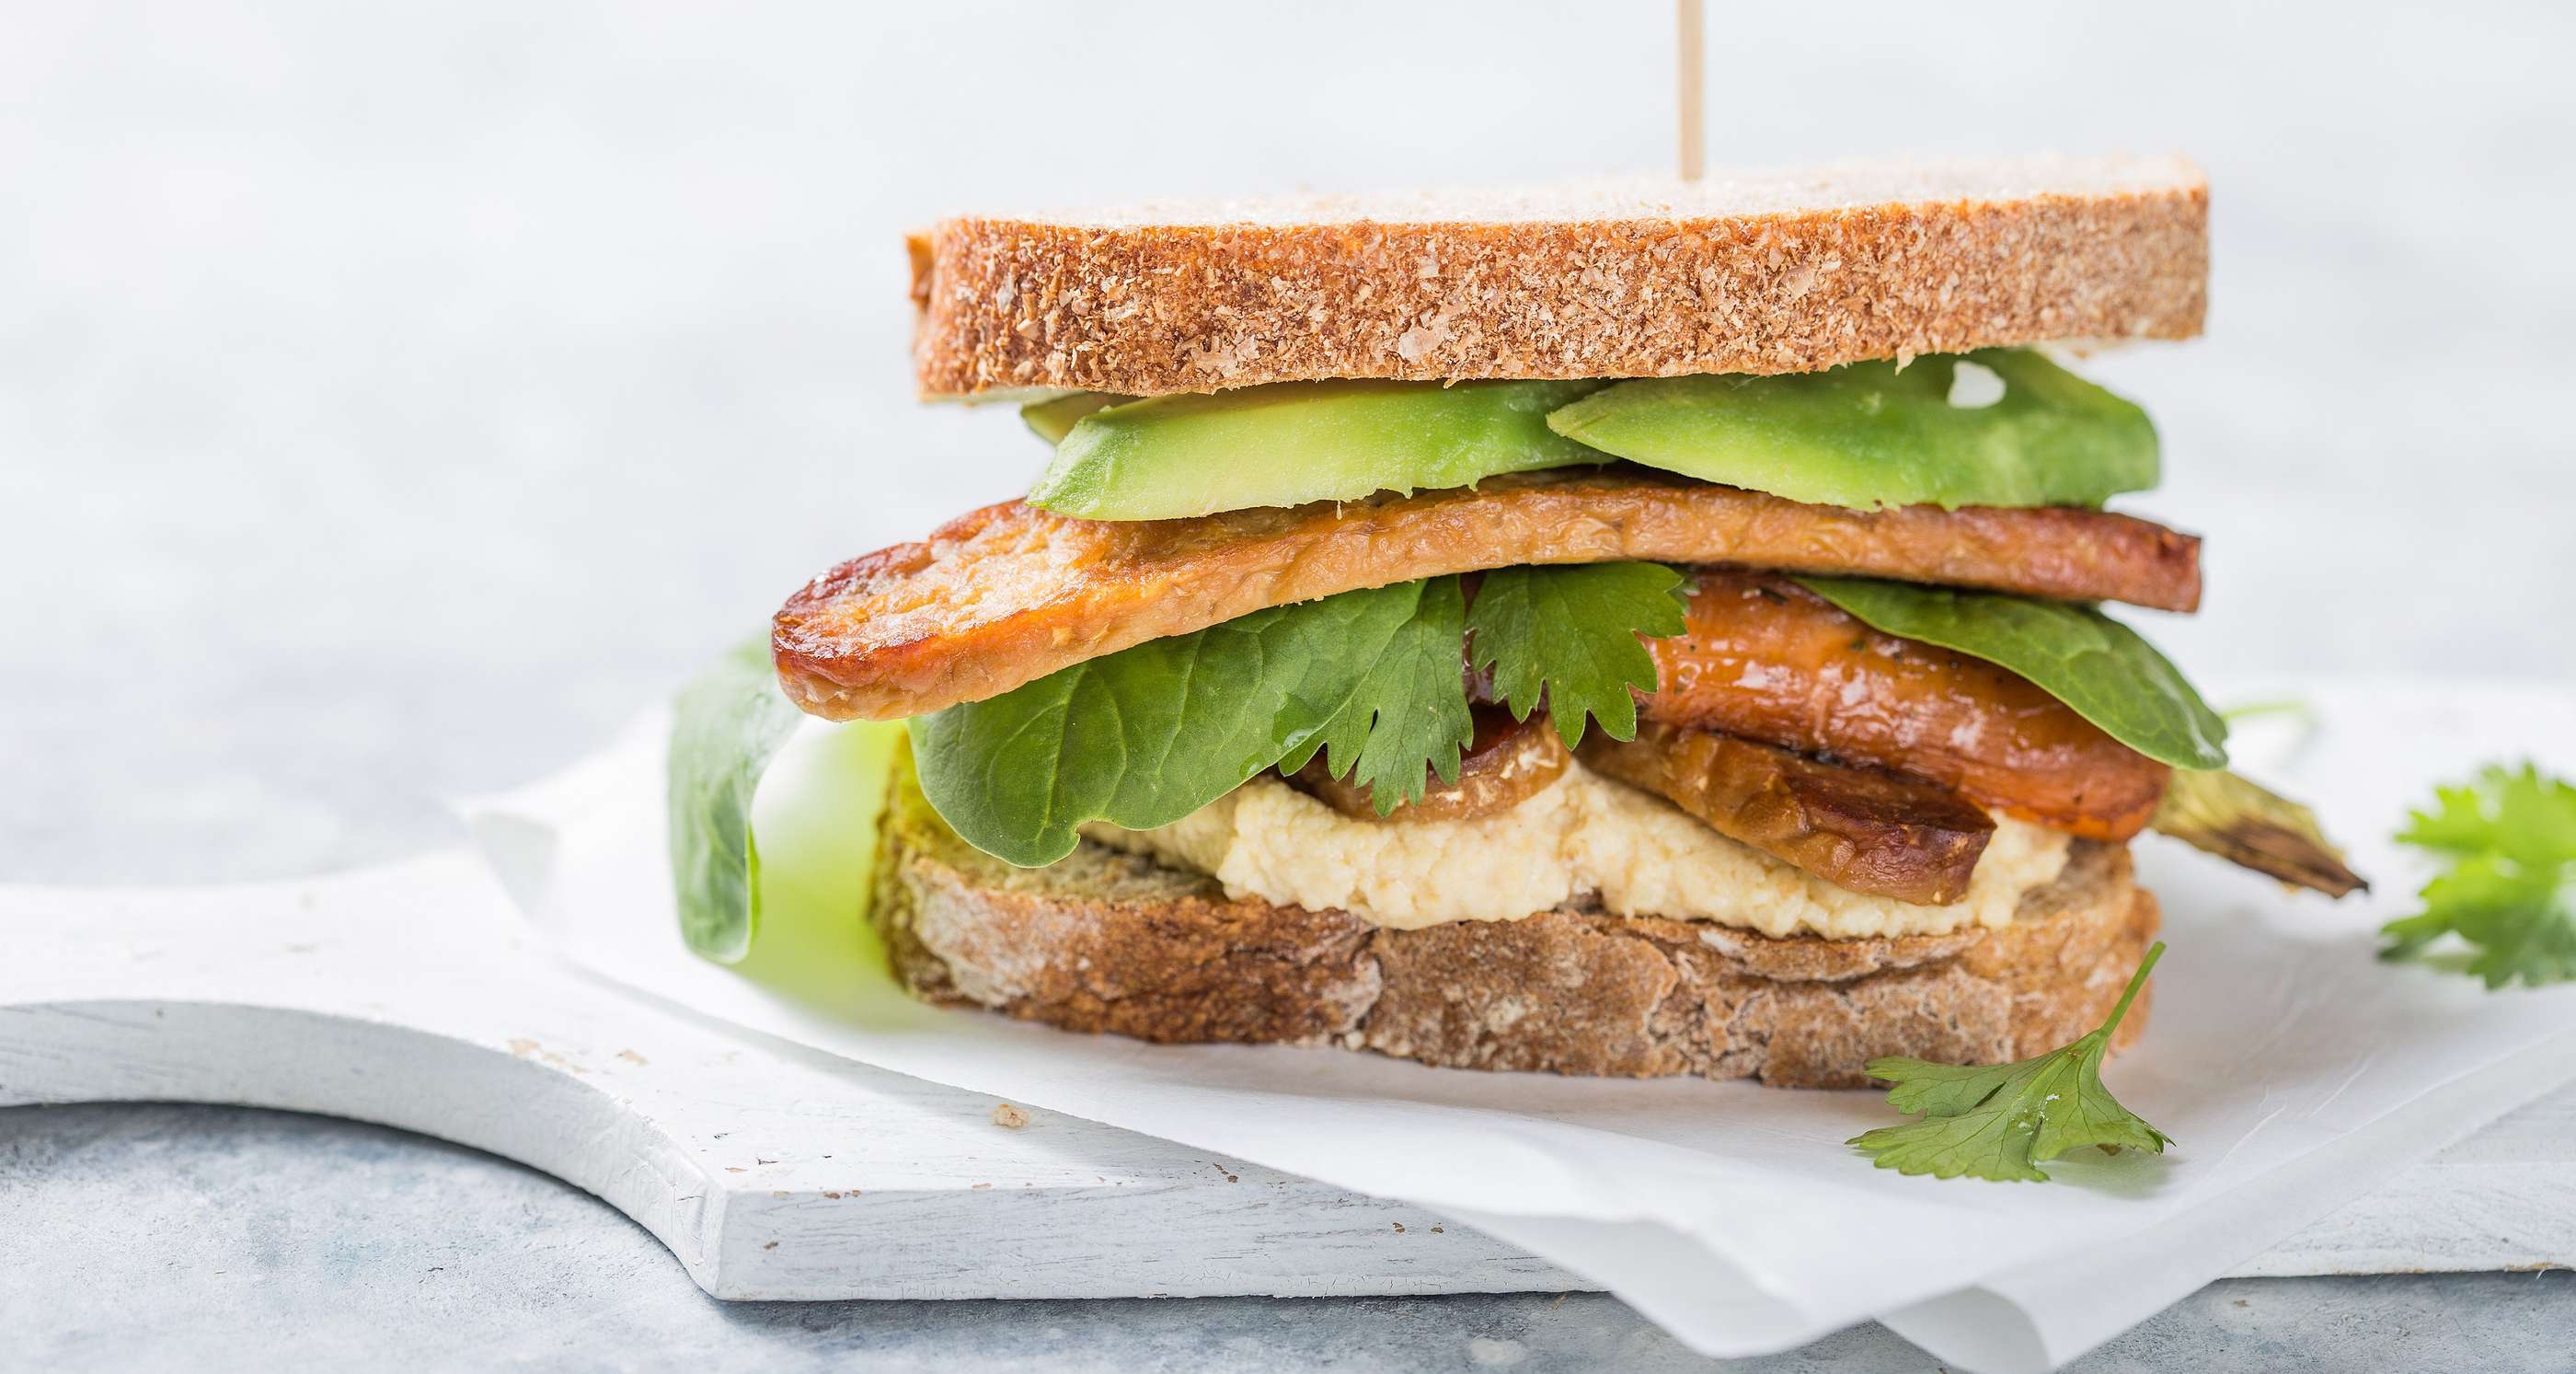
x=1764 y=658
x=1008 y=594
x=1870 y=830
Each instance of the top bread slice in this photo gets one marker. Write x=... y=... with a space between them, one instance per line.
x=1752 y=273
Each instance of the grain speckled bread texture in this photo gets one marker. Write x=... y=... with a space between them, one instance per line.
x=1752 y=272
x=1116 y=943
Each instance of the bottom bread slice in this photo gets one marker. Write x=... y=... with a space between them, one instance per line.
x=1111 y=942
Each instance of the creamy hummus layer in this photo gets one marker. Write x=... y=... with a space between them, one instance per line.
x=1582 y=835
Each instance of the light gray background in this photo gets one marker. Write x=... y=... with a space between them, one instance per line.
x=395 y=396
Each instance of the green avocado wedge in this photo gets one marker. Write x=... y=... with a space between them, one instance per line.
x=2106 y=671
x=1874 y=434
x=1289 y=443
x=1054 y=417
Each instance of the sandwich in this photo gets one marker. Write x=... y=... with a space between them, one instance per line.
x=1626 y=629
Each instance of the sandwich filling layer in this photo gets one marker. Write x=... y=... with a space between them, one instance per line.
x=1582 y=836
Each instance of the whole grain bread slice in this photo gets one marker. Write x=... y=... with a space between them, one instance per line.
x=1116 y=943
x=1741 y=272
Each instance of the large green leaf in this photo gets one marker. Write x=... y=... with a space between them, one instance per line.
x=1150 y=734
x=2106 y=671
x=1373 y=679
x=1874 y=434
x=725 y=728
x=768 y=805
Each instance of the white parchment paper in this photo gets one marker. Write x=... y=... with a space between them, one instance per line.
x=2295 y=1070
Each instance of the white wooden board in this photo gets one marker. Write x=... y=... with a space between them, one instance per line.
x=773 y=1171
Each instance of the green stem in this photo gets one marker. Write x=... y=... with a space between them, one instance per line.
x=2136 y=981
x=2301 y=707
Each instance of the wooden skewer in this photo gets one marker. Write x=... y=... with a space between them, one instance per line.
x=1687 y=69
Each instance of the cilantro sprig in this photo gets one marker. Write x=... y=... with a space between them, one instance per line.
x=1568 y=636
x=2001 y=1121
x=2509 y=890
x=1407 y=716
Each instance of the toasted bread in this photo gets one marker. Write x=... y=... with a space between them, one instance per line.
x=1748 y=272
x=1116 y=943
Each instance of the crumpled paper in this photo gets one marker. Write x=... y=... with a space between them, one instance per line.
x=2295 y=1070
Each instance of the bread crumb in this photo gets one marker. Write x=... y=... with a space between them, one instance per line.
x=1008 y=1117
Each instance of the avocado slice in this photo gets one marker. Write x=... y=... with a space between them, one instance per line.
x=1052 y=418
x=1289 y=443
x=1876 y=434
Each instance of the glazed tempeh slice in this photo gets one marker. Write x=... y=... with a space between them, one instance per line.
x=1008 y=594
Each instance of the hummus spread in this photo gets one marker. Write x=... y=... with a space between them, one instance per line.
x=1582 y=835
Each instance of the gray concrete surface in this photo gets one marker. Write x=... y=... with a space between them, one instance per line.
x=224 y=1238
x=394 y=397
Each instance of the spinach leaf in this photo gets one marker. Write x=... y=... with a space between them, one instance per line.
x=726 y=726
x=1372 y=679
x=1149 y=734
x=770 y=809
x=2100 y=667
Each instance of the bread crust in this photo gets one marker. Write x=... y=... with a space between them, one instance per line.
x=1785 y=273
x=1111 y=942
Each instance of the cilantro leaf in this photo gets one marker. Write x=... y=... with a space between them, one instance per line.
x=1568 y=634
x=1407 y=718
x=2510 y=890
x=2000 y=1121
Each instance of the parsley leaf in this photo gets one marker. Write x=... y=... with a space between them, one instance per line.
x=1999 y=1121
x=1407 y=718
x=2510 y=890
x=1568 y=634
